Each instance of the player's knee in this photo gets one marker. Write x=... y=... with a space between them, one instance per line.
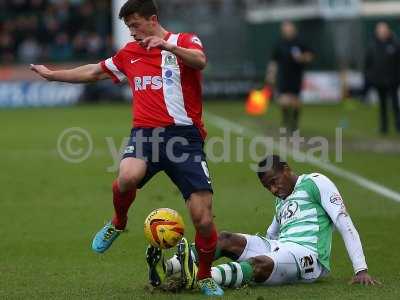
x=127 y=180
x=224 y=236
x=225 y=240
x=200 y=210
x=203 y=223
x=262 y=268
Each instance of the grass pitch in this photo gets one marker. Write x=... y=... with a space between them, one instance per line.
x=50 y=209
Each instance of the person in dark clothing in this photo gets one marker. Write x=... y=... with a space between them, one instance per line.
x=382 y=70
x=286 y=69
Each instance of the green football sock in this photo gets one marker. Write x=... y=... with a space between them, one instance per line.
x=233 y=274
x=218 y=253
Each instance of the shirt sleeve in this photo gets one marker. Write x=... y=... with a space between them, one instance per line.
x=191 y=41
x=114 y=66
x=273 y=230
x=333 y=204
x=352 y=242
x=331 y=200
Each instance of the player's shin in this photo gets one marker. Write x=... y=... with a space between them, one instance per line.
x=205 y=246
x=122 y=202
x=233 y=274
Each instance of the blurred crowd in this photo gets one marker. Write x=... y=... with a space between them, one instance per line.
x=54 y=30
x=278 y=2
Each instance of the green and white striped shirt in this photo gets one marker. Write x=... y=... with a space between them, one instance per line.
x=306 y=216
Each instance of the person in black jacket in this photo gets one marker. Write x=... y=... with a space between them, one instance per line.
x=382 y=70
x=286 y=68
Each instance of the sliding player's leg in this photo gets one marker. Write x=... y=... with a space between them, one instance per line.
x=229 y=245
x=284 y=264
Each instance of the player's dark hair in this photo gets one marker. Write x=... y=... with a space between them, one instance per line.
x=144 y=8
x=271 y=162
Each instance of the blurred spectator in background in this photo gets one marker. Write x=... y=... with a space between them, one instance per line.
x=382 y=70
x=7 y=48
x=61 y=49
x=54 y=30
x=29 y=50
x=285 y=70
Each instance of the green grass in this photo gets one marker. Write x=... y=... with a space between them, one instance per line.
x=51 y=209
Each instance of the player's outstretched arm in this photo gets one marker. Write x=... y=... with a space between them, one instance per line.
x=353 y=245
x=82 y=74
x=332 y=203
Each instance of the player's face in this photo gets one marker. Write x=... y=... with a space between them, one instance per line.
x=288 y=30
x=141 y=27
x=382 y=31
x=279 y=183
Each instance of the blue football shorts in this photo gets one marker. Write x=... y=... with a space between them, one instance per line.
x=176 y=150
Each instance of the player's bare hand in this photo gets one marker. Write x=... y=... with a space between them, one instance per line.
x=364 y=278
x=41 y=70
x=156 y=42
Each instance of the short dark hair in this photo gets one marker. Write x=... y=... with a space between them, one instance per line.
x=144 y=8
x=271 y=162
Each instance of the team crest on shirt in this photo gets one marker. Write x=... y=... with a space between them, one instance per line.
x=129 y=150
x=170 y=60
x=336 y=199
x=288 y=211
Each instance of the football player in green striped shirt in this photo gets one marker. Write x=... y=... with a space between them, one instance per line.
x=297 y=245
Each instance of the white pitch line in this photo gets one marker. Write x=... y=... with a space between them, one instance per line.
x=238 y=129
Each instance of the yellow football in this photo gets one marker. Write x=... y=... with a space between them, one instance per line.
x=164 y=228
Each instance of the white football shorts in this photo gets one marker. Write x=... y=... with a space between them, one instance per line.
x=293 y=263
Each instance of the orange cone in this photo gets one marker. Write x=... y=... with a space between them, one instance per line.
x=258 y=101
